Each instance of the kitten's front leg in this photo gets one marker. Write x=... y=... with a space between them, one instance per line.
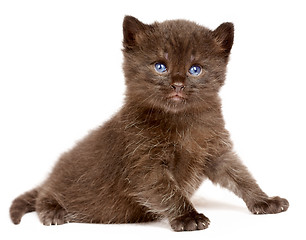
x=161 y=195
x=229 y=172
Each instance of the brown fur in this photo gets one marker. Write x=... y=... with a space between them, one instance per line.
x=146 y=162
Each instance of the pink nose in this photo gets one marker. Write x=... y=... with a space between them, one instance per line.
x=178 y=86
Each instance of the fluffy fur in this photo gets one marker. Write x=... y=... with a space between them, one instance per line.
x=146 y=162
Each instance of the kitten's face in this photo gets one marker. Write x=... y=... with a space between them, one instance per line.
x=174 y=65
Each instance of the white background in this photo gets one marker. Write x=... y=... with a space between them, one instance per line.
x=60 y=76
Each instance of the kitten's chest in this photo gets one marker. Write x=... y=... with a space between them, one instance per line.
x=188 y=152
x=184 y=155
x=187 y=168
x=183 y=152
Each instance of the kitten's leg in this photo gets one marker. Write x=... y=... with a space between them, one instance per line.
x=49 y=211
x=159 y=192
x=229 y=172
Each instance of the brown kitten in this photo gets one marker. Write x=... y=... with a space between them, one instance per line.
x=146 y=162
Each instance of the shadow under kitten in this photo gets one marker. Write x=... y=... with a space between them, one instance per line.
x=145 y=163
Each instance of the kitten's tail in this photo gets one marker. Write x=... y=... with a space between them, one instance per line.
x=23 y=204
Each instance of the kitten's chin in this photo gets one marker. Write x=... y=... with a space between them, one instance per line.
x=175 y=104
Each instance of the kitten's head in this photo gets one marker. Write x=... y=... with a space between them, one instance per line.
x=175 y=65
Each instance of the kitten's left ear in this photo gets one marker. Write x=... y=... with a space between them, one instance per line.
x=131 y=28
x=224 y=36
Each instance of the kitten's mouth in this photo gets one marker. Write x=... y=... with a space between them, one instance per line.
x=176 y=97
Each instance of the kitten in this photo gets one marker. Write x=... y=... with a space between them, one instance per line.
x=146 y=162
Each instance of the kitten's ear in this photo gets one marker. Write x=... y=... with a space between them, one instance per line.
x=224 y=36
x=131 y=27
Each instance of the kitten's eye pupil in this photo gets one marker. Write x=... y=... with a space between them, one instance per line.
x=195 y=70
x=161 y=68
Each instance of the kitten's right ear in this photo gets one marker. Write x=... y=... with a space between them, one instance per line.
x=131 y=28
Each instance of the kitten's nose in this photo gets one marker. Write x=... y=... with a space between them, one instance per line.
x=177 y=86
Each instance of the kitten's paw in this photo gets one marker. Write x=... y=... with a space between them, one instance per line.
x=54 y=216
x=190 y=222
x=270 y=206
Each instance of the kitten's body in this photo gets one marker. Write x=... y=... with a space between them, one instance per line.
x=147 y=161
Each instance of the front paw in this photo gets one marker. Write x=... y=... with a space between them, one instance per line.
x=269 y=206
x=190 y=222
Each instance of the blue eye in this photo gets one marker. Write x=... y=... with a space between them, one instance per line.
x=195 y=70
x=161 y=68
